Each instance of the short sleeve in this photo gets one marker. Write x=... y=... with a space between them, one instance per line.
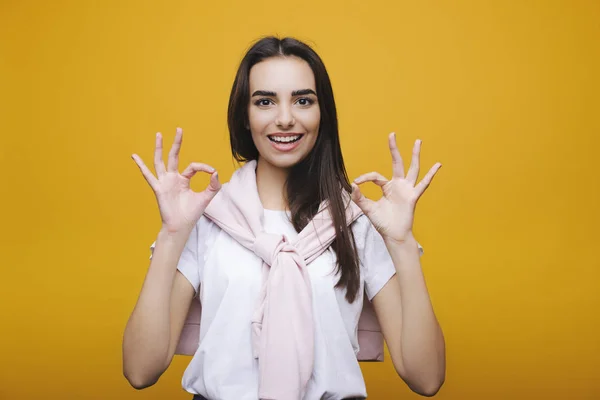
x=191 y=262
x=377 y=263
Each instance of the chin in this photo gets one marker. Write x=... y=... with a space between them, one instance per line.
x=285 y=161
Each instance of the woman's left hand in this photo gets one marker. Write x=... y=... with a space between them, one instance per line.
x=393 y=214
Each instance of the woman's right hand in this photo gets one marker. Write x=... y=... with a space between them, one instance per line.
x=180 y=207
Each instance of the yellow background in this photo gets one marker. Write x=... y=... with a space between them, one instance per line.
x=504 y=93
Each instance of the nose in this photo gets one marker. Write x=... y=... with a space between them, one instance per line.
x=285 y=117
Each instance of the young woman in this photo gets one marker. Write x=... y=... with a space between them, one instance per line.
x=278 y=323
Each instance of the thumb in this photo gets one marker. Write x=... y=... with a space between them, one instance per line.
x=361 y=201
x=214 y=186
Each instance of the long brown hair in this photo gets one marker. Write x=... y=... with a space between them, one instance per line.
x=318 y=177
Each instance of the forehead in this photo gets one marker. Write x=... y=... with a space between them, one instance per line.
x=281 y=74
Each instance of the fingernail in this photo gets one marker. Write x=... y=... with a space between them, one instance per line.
x=178 y=130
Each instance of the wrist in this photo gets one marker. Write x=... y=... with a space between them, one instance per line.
x=405 y=240
x=168 y=248
x=169 y=235
x=405 y=253
x=406 y=244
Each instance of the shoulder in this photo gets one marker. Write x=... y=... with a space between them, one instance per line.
x=361 y=224
x=206 y=227
x=362 y=229
x=206 y=232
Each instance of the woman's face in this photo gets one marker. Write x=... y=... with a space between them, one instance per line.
x=284 y=111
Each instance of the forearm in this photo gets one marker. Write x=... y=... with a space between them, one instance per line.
x=147 y=334
x=422 y=342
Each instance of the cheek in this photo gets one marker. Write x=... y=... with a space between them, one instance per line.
x=311 y=119
x=258 y=119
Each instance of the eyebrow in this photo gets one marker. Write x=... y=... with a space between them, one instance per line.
x=300 y=92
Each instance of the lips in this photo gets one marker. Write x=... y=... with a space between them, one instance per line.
x=288 y=145
x=286 y=137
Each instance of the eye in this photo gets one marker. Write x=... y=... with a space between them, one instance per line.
x=305 y=101
x=263 y=102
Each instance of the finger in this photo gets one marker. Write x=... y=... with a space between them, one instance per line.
x=173 y=162
x=374 y=177
x=364 y=203
x=397 y=163
x=194 y=167
x=413 y=171
x=152 y=181
x=424 y=184
x=159 y=165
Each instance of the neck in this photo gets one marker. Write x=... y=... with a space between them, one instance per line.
x=270 y=182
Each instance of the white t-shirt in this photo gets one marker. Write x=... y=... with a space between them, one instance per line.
x=227 y=278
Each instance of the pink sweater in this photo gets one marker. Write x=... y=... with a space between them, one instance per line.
x=282 y=326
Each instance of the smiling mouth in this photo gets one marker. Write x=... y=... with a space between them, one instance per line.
x=285 y=139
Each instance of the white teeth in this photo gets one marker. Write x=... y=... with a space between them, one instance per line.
x=284 y=139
